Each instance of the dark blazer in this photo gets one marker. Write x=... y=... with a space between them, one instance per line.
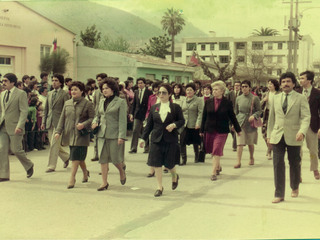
x=232 y=97
x=219 y=120
x=158 y=128
x=139 y=110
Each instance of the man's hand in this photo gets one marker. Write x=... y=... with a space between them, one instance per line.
x=17 y=131
x=94 y=125
x=131 y=117
x=80 y=126
x=268 y=140
x=141 y=144
x=42 y=127
x=299 y=137
x=120 y=141
x=197 y=127
x=56 y=136
x=251 y=118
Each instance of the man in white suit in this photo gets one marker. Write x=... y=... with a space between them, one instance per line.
x=13 y=116
x=288 y=124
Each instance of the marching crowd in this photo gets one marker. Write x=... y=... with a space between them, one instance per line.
x=165 y=117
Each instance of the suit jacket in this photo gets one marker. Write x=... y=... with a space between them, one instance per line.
x=232 y=97
x=113 y=121
x=314 y=104
x=296 y=119
x=192 y=111
x=219 y=120
x=139 y=110
x=71 y=115
x=15 y=112
x=96 y=99
x=52 y=111
x=158 y=128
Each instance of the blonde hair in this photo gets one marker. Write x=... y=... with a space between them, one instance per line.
x=219 y=84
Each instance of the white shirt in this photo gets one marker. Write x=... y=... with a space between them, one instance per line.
x=142 y=93
x=6 y=92
x=283 y=97
x=307 y=94
x=164 y=110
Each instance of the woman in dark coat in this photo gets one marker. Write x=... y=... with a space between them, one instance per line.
x=165 y=118
x=76 y=116
x=217 y=114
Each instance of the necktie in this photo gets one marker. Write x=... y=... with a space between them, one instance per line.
x=285 y=104
x=8 y=95
x=54 y=96
x=140 y=95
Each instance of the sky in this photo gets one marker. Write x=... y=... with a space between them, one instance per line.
x=233 y=18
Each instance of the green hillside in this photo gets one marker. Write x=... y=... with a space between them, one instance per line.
x=113 y=22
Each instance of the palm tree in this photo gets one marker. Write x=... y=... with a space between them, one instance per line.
x=172 y=22
x=265 y=32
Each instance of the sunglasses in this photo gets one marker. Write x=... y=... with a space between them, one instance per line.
x=162 y=92
x=245 y=86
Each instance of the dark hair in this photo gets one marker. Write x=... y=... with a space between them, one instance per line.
x=27 y=90
x=11 y=77
x=192 y=85
x=33 y=101
x=309 y=74
x=42 y=89
x=197 y=82
x=127 y=83
x=66 y=80
x=43 y=74
x=32 y=84
x=275 y=84
x=181 y=93
x=288 y=75
x=102 y=75
x=141 y=79
x=246 y=82
x=208 y=86
x=25 y=77
x=19 y=83
x=155 y=85
x=237 y=81
x=130 y=79
x=90 y=81
x=88 y=88
x=32 y=77
x=60 y=78
x=79 y=85
x=166 y=86
x=112 y=84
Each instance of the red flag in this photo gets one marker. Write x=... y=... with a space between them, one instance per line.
x=54 y=43
x=194 y=60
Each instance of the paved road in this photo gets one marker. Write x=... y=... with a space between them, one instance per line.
x=237 y=206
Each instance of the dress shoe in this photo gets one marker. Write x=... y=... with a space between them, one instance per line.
x=123 y=182
x=175 y=184
x=218 y=171
x=213 y=178
x=234 y=149
x=86 y=180
x=295 y=193
x=66 y=164
x=184 y=161
x=158 y=193
x=133 y=151
x=151 y=174
x=95 y=159
x=30 y=172
x=316 y=174
x=71 y=185
x=237 y=166
x=146 y=151
x=277 y=200
x=103 y=188
x=4 y=179
x=165 y=170
x=49 y=170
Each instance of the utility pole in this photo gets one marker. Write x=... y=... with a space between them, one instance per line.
x=295 y=49
x=290 y=38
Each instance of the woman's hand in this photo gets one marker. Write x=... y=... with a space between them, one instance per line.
x=201 y=134
x=120 y=141
x=80 y=126
x=170 y=127
x=141 y=144
x=56 y=136
x=94 y=125
x=251 y=118
x=197 y=127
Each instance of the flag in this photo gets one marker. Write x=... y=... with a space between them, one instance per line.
x=54 y=44
x=194 y=59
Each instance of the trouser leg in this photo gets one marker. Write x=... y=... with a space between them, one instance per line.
x=295 y=167
x=279 y=168
x=137 y=128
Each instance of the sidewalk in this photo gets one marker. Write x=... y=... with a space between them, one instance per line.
x=236 y=206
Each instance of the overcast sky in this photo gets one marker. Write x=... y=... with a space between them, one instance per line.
x=235 y=18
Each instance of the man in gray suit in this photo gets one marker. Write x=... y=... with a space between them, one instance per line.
x=288 y=124
x=13 y=116
x=54 y=105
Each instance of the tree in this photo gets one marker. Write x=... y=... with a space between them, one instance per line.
x=157 y=46
x=173 y=23
x=265 y=32
x=117 y=45
x=90 y=37
x=56 y=62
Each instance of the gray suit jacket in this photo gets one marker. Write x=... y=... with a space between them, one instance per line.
x=15 y=112
x=113 y=121
x=192 y=111
x=297 y=119
x=53 y=110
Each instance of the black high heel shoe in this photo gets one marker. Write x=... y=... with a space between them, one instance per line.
x=175 y=184
x=151 y=174
x=86 y=180
x=71 y=186
x=158 y=193
x=123 y=182
x=103 y=188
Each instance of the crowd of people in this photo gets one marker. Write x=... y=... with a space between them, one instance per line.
x=165 y=117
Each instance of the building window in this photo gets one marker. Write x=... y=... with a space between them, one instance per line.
x=269 y=59
x=279 y=59
x=223 y=46
x=5 y=61
x=211 y=46
x=150 y=76
x=241 y=59
x=224 y=59
x=165 y=77
x=270 y=47
x=44 y=50
x=257 y=58
x=178 y=54
x=280 y=45
x=269 y=71
x=203 y=47
x=186 y=79
x=240 y=45
x=191 y=46
x=178 y=79
x=257 y=45
x=279 y=72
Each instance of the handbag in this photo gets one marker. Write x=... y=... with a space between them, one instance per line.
x=96 y=130
x=256 y=122
x=202 y=152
